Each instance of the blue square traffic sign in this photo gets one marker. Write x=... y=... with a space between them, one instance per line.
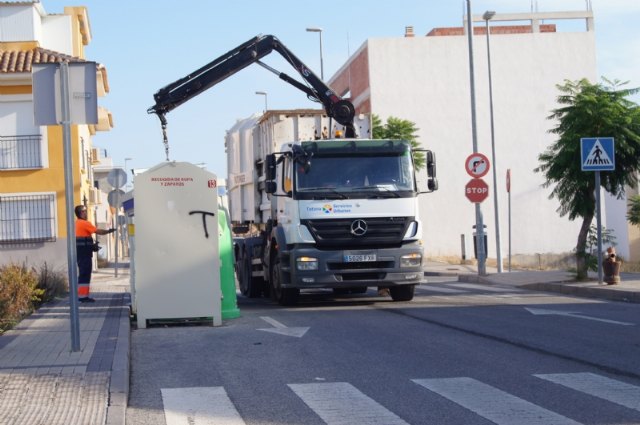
x=597 y=154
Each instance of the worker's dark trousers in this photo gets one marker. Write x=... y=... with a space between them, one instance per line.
x=85 y=264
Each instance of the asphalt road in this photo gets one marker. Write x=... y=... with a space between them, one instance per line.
x=457 y=354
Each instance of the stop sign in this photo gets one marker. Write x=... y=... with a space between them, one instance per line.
x=476 y=190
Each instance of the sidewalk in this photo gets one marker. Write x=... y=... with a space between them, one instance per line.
x=628 y=290
x=43 y=382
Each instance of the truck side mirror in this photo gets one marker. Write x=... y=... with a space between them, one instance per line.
x=431 y=164
x=270 y=168
x=432 y=181
x=270 y=186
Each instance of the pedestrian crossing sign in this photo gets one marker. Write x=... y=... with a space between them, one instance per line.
x=597 y=154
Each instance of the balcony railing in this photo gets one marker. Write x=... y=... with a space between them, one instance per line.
x=18 y=152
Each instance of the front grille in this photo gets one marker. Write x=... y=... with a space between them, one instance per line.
x=361 y=266
x=363 y=276
x=336 y=232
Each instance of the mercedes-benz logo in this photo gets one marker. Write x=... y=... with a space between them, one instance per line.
x=358 y=228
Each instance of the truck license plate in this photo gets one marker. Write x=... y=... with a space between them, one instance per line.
x=359 y=258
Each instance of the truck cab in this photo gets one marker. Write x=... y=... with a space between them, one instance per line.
x=345 y=216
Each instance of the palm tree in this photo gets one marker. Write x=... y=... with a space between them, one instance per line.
x=590 y=110
x=397 y=128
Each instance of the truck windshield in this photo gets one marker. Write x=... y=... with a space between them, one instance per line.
x=363 y=168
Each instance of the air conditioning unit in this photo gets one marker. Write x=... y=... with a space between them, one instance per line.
x=95 y=155
x=94 y=196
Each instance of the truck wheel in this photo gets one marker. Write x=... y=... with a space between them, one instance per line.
x=402 y=292
x=284 y=296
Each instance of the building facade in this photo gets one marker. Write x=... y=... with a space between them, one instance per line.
x=32 y=190
x=426 y=80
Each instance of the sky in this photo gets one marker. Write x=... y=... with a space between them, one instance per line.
x=147 y=44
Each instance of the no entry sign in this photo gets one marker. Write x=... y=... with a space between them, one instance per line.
x=476 y=190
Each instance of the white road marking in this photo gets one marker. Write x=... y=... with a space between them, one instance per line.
x=486 y=287
x=491 y=403
x=279 y=328
x=340 y=403
x=542 y=312
x=199 y=406
x=441 y=289
x=617 y=392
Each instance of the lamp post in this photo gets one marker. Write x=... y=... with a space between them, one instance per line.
x=319 y=31
x=263 y=93
x=487 y=17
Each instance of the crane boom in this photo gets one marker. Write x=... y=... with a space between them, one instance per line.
x=247 y=53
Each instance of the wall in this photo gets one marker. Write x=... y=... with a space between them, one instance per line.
x=426 y=80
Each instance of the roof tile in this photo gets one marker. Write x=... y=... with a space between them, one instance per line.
x=21 y=60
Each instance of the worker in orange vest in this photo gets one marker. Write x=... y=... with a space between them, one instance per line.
x=85 y=249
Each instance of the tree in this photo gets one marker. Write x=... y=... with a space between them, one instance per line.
x=590 y=110
x=397 y=128
x=634 y=210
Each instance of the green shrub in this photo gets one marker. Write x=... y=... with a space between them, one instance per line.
x=52 y=282
x=18 y=292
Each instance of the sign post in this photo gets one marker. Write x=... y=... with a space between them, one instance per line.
x=477 y=165
x=509 y=211
x=63 y=94
x=116 y=178
x=598 y=154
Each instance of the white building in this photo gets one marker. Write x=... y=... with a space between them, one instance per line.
x=426 y=80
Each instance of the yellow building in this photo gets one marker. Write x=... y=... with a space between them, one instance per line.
x=32 y=190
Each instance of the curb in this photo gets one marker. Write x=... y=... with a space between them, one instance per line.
x=119 y=380
x=600 y=293
x=564 y=287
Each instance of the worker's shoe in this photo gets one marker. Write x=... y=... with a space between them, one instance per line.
x=86 y=300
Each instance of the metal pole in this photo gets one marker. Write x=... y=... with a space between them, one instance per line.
x=509 y=197
x=482 y=270
x=496 y=211
x=599 y=225
x=321 y=60
x=115 y=272
x=72 y=260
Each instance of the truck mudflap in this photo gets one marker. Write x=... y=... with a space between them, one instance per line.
x=351 y=268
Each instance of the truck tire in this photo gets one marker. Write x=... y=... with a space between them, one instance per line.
x=402 y=292
x=250 y=286
x=283 y=296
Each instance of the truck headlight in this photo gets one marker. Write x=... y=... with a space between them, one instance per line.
x=411 y=260
x=306 y=263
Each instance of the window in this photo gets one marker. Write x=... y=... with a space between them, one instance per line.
x=20 y=152
x=27 y=218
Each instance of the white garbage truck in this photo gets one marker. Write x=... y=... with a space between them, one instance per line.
x=312 y=204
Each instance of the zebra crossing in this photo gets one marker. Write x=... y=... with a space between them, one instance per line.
x=466 y=288
x=341 y=403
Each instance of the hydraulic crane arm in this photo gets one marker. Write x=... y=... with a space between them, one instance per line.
x=184 y=89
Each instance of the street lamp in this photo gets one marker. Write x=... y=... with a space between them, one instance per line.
x=482 y=256
x=263 y=93
x=126 y=170
x=319 y=31
x=487 y=17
